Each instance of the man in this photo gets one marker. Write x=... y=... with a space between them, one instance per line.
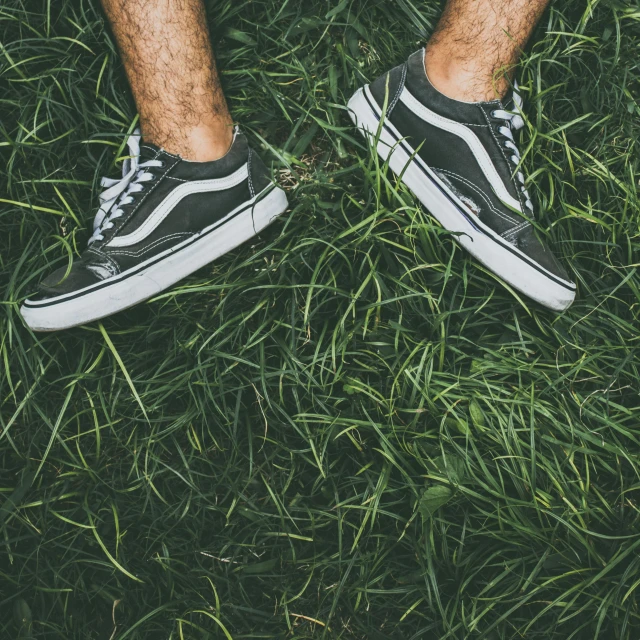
x=194 y=190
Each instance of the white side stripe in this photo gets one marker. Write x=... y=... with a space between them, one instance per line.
x=472 y=141
x=173 y=199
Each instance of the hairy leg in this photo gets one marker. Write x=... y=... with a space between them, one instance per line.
x=476 y=45
x=169 y=61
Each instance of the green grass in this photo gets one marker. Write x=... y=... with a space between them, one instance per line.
x=348 y=428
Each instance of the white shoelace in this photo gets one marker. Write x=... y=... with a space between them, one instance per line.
x=118 y=192
x=515 y=122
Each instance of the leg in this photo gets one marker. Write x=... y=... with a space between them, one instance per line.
x=190 y=193
x=168 y=59
x=476 y=45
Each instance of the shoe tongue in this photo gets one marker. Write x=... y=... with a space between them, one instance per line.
x=508 y=102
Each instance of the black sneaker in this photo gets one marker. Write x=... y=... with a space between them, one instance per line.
x=461 y=161
x=165 y=219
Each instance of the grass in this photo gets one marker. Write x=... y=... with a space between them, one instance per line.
x=347 y=429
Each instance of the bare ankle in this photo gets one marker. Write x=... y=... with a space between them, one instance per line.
x=202 y=143
x=463 y=81
x=207 y=144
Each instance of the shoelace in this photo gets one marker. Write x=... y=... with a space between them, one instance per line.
x=119 y=192
x=515 y=122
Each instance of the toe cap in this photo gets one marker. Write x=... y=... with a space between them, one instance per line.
x=528 y=242
x=63 y=281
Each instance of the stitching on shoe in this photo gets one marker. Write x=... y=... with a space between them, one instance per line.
x=179 y=179
x=480 y=192
x=507 y=235
x=493 y=135
x=513 y=236
x=403 y=79
x=101 y=254
x=171 y=155
x=249 y=163
x=155 y=243
x=520 y=225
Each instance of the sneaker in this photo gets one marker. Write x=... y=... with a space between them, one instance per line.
x=166 y=218
x=461 y=161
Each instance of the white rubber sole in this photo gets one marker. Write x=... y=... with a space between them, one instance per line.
x=158 y=273
x=506 y=261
